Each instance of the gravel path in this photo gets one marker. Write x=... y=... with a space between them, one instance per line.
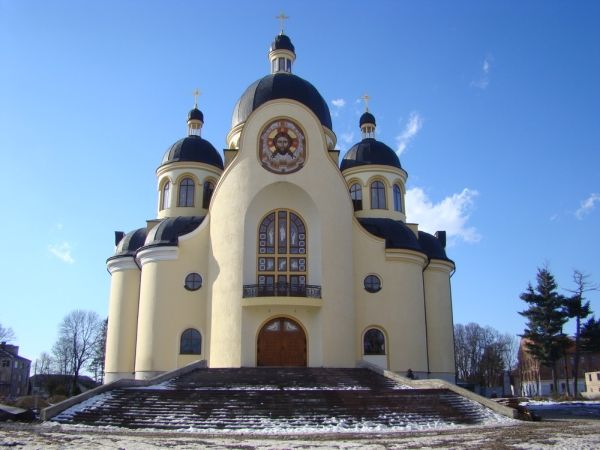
x=559 y=434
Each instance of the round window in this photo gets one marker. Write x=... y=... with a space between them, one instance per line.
x=372 y=283
x=193 y=282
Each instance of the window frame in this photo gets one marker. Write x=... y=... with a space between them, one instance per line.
x=381 y=343
x=190 y=284
x=397 y=198
x=165 y=201
x=378 y=193
x=356 y=196
x=185 y=198
x=193 y=338
x=369 y=286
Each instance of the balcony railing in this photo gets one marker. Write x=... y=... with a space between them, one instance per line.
x=281 y=290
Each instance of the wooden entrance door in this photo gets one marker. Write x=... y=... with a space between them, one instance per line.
x=281 y=342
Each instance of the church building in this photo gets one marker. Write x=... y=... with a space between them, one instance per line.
x=278 y=253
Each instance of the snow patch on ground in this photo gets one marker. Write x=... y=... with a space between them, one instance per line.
x=91 y=403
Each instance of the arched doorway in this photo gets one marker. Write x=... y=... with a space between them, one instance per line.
x=281 y=342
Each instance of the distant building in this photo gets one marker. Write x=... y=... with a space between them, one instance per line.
x=14 y=371
x=536 y=380
x=592 y=384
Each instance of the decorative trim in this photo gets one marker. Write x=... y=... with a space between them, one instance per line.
x=439 y=265
x=121 y=264
x=410 y=256
x=153 y=254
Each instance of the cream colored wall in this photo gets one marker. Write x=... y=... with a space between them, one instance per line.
x=398 y=308
x=123 y=316
x=440 y=333
x=167 y=308
x=365 y=175
x=246 y=192
x=177 y=171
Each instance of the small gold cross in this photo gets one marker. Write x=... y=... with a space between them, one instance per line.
x=282 y=18
x=196 y=95
x=366 y=99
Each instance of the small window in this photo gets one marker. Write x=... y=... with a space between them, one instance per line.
x=191 y=342
x=372 y=283
x=397 y=198
x=193 y=282
x=166 y=196
x=186 y=192
x=597 y=376
x=378 y=195
x=207 y=194
x=356 y=196
x=374 y=342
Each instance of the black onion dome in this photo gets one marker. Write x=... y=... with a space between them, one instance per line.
x=196 y=114
x=396 y=233
x=432 y=246
x=370 y=151
x=282 y=42
x=367 y=117
x=281 y=85
x=130 y=243
x=167 y=232
x=193 y=148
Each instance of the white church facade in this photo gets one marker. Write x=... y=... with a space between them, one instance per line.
x=278 y=253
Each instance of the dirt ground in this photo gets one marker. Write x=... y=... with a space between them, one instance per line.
x=557 y=434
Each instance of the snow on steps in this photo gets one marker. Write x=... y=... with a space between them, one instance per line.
x=277 y=400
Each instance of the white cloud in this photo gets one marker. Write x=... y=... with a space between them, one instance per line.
x=62 y=251
x=347 y=138
x=587 y=206
x=484 y=78
x=338 y=102
x=451 y=214
x=413 y=126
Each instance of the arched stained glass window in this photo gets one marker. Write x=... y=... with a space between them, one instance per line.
x=356 y=196
x=191 y=342
x=186 y=192
x=282 y=258
x=397 y=198
x=374 y=342
x=166 y=196
x=378 y=195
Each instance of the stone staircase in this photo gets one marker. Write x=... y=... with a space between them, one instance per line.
x=275 y=400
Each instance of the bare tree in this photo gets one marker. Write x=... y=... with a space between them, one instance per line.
x=576 y=307
x=481 y=354
x=78 y=334
x=6 y=334
x=43 y=364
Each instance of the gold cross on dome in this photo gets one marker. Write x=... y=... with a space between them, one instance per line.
x=196 y=95
x=282 y=18
x=366 y=99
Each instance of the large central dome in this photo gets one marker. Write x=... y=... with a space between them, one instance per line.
x=281 y=85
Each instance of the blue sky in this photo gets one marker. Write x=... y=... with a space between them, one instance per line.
x=493 y=106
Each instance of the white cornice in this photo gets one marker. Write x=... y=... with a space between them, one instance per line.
x=440 y=265
x=153 y=254
x=120 y=264
x=410 y=256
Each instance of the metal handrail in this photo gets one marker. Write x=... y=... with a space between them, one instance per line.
x=281 y=290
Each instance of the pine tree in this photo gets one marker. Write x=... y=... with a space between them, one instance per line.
x=546 y=316
x=590 y=335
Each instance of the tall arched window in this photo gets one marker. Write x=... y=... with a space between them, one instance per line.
x=165 y=202
x=397 y=198
x=186 y=192
x=282 y=254
x=378 y=195
x=374 y=342
x=191 y=342
x=356 y=196
x=207 y=194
